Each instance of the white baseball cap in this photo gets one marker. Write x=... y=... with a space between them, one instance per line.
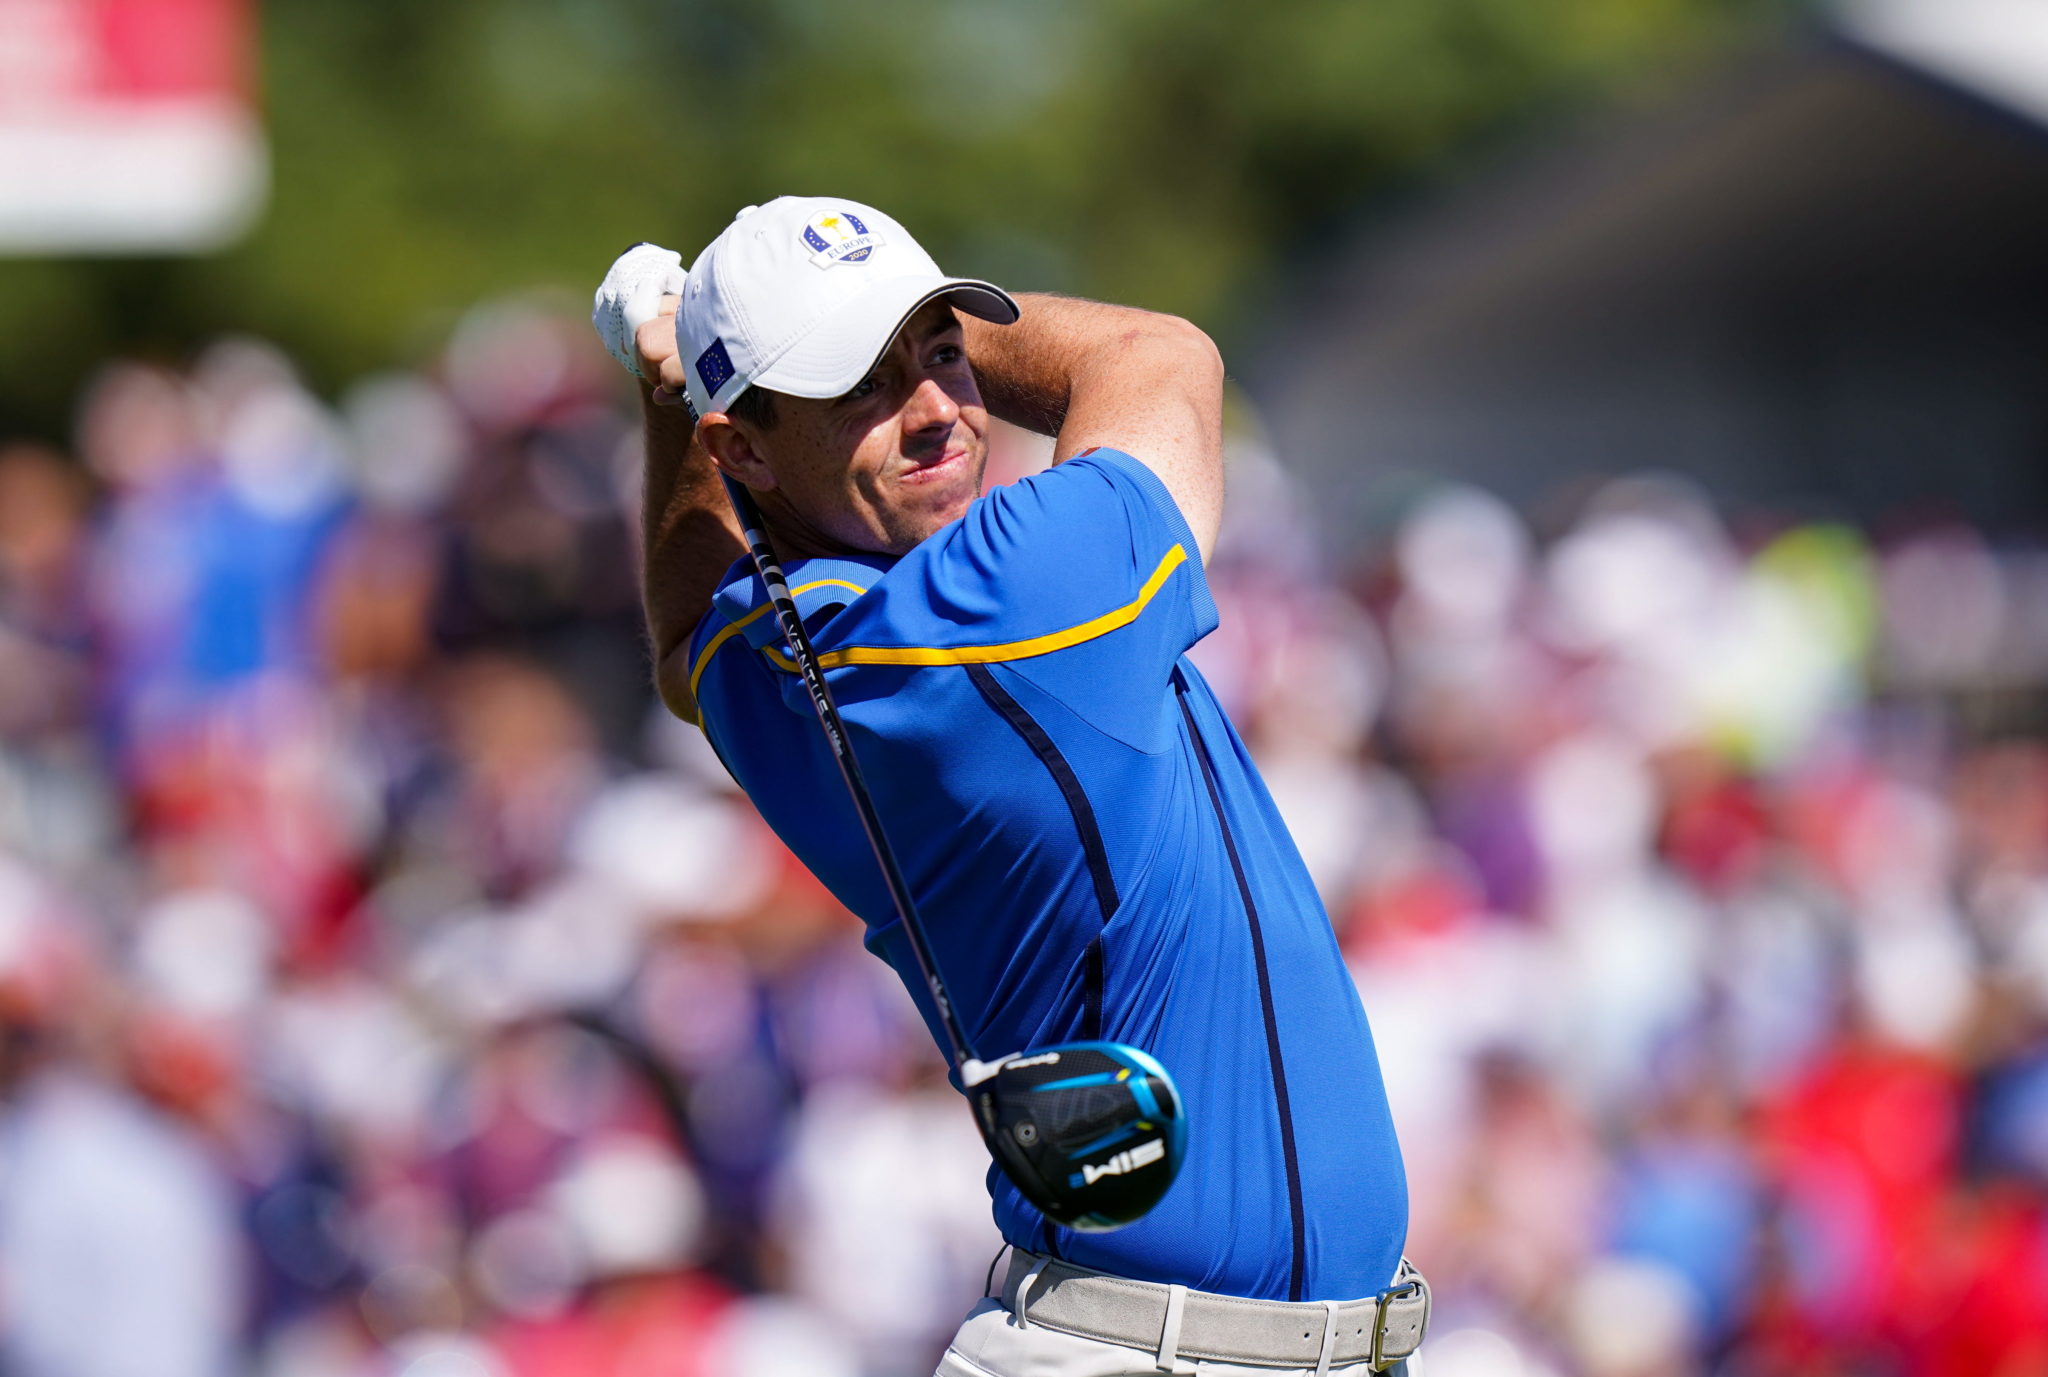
x=802 y=295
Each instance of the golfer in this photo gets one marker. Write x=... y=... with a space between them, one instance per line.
x=1086 y=836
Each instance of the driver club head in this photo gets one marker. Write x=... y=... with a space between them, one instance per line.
x=1092 y=1133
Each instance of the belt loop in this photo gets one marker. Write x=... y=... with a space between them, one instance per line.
x=1169 y=1332
x=1024 y=1294
x=1329 y=1338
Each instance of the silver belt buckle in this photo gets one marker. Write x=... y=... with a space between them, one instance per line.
x=1414 y=1285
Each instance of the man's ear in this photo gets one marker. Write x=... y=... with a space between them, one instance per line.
x=733 y=452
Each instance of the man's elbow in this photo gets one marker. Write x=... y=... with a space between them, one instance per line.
x=1155 y=330
x=1196 y=340
x=1187 y=349
x=672 y=681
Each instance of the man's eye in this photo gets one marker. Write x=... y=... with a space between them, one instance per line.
x=947 y=353
x=864 y=388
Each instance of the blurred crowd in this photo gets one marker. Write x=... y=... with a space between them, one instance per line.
x=387 y=986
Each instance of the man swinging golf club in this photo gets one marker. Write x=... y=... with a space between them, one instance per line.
x=972 y=718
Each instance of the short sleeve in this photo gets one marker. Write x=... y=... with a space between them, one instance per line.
x=1084 y=579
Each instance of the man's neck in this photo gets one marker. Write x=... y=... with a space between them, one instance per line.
x=794 y=538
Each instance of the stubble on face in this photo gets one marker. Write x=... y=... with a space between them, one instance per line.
x=878 y=470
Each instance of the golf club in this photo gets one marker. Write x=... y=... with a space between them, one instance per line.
x=1093 y=1133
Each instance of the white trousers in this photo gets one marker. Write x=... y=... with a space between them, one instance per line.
x=992 y=1344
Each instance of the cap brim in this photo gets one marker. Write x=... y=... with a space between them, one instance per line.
x=837 y=352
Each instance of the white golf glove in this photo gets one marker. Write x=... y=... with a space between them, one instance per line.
x=630 y=296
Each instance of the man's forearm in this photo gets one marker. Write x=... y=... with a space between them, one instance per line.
x=1094 y=374
x=1029 y=371
x=689 y=537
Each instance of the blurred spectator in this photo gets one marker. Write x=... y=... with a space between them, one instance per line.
x=381 y=994
x=118 y=1242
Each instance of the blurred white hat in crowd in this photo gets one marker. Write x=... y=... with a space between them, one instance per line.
x=1593 y=804
x=1648 y=558
x=573 y=943
x=445 y=1355
x=509 y=360
x=1481 y=1353
x=280 y=449
x=673 y=851
x=348 y=1050
x=205 y=951
x=632 y=1206
x=281 y=453
x=768 y=1337
x=1630 y=1317
x=1464 y=554
x=406 y=440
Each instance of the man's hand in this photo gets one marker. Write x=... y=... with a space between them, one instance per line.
x=660 y=362
x=640 y=288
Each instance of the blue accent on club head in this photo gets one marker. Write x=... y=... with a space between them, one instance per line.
x=1093 y=1078
x=1115 y=1135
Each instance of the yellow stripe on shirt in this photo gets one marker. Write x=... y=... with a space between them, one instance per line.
x=988 y=654
x=733 y=629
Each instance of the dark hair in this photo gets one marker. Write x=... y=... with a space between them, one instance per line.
x=755 y=406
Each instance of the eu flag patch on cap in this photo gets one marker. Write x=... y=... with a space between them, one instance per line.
x=714 y=367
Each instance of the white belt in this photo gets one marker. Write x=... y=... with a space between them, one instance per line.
x=1179 y=1323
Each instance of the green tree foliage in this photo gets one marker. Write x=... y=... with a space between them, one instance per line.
x=1163 y=152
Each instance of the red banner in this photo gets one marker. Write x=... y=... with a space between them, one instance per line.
x=127 y=125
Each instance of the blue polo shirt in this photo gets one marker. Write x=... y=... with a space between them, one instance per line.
x=1093 y=854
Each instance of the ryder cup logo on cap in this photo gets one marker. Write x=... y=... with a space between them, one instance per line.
x=839 y=238
x=757 y=312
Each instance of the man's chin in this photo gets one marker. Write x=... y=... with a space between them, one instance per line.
x=916 y=523
x=925 y=500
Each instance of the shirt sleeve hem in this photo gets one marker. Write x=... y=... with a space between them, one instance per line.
x=1116 y=461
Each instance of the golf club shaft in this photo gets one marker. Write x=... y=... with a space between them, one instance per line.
x=813 y=674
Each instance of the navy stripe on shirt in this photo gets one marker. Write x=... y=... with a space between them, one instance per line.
x=1063 y=775
x=1251 y=912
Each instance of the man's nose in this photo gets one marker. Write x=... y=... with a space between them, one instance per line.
x=929 y=406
